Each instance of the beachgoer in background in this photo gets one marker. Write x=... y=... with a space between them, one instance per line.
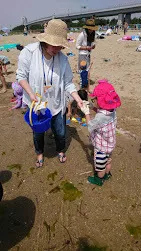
x=4 y=61
x=45 y=26
x=19 y=47
x=117 y=29
x=44 y=69
x=85 y=42
x=109 y=32
x=85 y=75
x=125 y=26
x=102 y=129
x=25 y=31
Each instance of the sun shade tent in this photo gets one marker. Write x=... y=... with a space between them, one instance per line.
x=5 y=30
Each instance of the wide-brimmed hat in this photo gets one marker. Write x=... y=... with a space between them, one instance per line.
x=55 y=33
x=107 y=98
x=90 y=25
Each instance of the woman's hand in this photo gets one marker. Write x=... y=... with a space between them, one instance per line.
x=33 y=97
x=89 y=48
x=77 y=98
x=80 y=103
x=93 y=46
x=25 y=85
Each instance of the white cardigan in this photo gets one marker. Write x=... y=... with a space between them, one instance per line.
x=82 y=41
x=30 y=68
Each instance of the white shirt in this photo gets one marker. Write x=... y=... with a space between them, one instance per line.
x=82 y=41
x=30 y=68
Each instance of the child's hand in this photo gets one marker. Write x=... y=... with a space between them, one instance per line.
x=69 y=114
x=85 y=108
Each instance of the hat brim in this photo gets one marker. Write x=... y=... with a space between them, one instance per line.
x=103 y=104
x=53 y=40
x=92 y=95
x=89 y=27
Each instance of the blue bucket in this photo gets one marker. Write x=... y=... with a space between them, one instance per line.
x=41 y=123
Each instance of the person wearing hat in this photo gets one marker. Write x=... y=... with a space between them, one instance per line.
x=44 y=69
x=85 y=42
x=102 y=129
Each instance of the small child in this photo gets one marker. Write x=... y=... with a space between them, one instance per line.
x=72 y=109
x=4 y=61
x=84 y=74
x=102 y=129
x=18 y=96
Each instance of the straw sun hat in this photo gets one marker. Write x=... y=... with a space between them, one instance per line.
x=90 y=25
x=55 y=33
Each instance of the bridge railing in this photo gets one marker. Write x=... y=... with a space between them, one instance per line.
x=88 y=11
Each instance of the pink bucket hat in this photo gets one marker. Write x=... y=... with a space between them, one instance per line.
x=107 y=98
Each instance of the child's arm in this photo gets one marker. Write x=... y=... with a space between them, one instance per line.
x=88 y=118
x=93 y=124
x=69 y=114
x=18 y=104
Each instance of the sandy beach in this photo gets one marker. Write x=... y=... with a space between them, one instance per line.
x=34 y=214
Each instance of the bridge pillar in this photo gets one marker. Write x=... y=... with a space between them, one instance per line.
x=120 y=19
x=128 y=18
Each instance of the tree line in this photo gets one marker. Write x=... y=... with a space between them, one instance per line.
x=98 y=21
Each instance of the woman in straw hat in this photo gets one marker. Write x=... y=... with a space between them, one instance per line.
x=44 y=69
x=85 y=42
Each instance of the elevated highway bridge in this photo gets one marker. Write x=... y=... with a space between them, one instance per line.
x=122 y=12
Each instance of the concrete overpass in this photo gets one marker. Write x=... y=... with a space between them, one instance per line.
x=122 y=12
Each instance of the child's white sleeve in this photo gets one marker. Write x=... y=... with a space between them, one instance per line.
x=79 y=40
x=93 y=124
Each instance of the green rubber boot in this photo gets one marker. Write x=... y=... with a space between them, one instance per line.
x=96 y=180
x=107 y=176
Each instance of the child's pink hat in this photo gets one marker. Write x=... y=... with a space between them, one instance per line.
x=107 y=98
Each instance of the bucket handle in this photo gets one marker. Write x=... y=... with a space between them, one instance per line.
x=30 y=113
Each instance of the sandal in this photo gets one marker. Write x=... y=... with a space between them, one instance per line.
x=39 y=163
x=62 y=158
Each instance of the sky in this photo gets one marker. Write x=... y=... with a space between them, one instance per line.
x=12 y=11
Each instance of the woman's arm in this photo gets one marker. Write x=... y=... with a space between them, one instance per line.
x=80 y=41
x=69 y=86
x=22 y=72
x=25 y=85
x=77 y=98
